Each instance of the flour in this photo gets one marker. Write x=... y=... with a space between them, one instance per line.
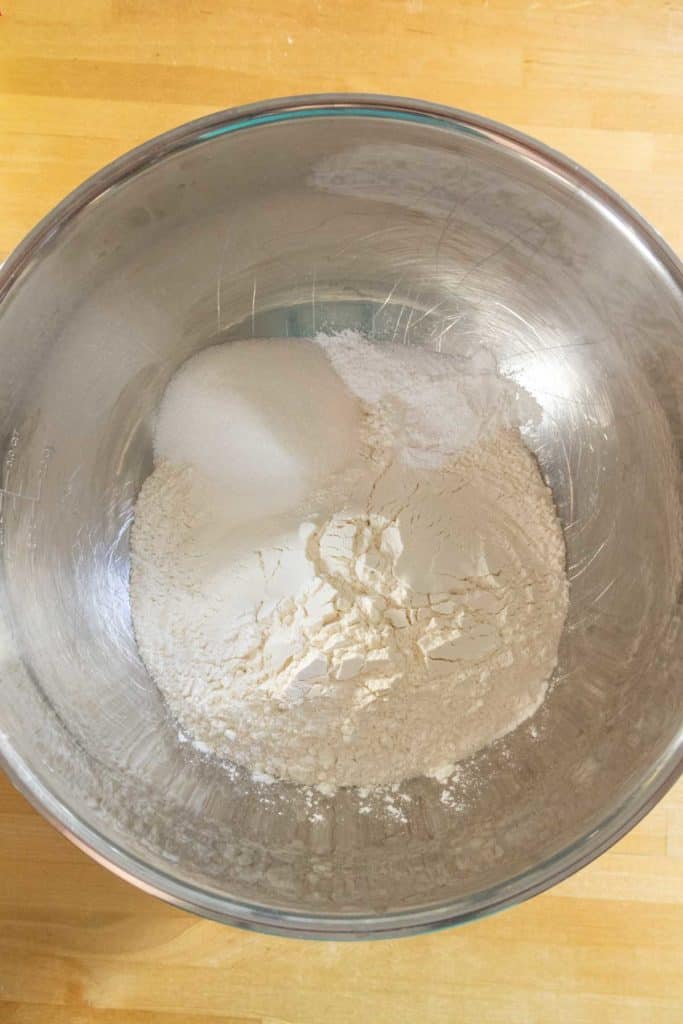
x=346 y=567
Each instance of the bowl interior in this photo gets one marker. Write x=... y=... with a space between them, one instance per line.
x=409 y=227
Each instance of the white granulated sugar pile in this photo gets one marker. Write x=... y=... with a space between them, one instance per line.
x=346 y=567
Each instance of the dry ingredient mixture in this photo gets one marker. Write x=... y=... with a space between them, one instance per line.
x=346 y=567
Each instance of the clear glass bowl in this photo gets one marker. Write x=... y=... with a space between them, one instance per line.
x=408 y=221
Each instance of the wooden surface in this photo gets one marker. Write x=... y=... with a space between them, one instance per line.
x=82 y=81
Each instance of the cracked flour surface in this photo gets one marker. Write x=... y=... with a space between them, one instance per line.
x=346 y=567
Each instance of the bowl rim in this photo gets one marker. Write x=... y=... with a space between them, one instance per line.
x=195 y=898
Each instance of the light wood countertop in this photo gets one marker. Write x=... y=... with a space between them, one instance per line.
x=80 y=83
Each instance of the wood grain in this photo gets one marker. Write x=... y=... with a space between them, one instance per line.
x=80 y=83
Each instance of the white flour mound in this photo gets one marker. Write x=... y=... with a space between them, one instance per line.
x=346 y=567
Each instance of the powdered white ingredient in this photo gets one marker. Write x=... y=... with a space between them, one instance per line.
x=431 y=405
x=350 y=577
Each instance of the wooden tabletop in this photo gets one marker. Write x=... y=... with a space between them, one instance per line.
x=81 y=81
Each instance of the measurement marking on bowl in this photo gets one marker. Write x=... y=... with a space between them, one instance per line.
x=7 y=492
